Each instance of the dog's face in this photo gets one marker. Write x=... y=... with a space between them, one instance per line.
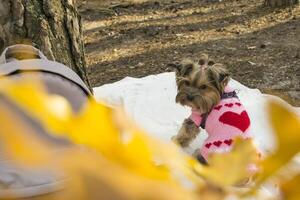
x=200 y=84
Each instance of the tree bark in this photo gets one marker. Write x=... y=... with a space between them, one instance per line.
x=53 y=26
x=280 y=3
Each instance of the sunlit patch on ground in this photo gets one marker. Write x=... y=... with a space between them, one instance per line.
x=124 y=38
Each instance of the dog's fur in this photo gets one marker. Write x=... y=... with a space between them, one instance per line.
x=200 y=85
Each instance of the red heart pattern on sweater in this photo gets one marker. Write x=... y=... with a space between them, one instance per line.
x=229 y=105
x=217 y=143
x=207 y=145
x=218 y=107
x=240 y=121
x=228 y=142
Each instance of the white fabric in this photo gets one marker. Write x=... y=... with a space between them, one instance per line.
x=151 y=103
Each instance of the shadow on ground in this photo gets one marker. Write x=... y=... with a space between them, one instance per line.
x=260 y=46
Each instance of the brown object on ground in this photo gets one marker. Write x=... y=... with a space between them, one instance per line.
x=52 y=26
x=259 y=45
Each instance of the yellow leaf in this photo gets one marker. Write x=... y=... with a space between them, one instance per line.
x=17 y=137
x=286 y=125
x=101 y=178
x=230 y=168
x=32 y=97
x=290 y=189
x=116 y=154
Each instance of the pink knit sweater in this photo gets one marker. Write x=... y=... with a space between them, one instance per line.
x=226 y=121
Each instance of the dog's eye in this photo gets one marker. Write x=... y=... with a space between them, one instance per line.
x=203 y=87
x=183 y=83
x=188 y=70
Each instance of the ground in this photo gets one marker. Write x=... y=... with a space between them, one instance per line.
x=260 y=46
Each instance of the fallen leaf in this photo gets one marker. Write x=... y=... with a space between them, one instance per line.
x=286 y=125
x=290 y=189
x=228 y=169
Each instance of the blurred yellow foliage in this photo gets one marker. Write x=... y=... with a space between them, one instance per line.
x=107 y=156
x=231 y=168
x=286 y=125
x=290 y=189
x=107 y=148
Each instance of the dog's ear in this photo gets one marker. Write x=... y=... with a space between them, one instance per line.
x=174 y=66
x=223 y=73
x=203 y=59
x=224 y=79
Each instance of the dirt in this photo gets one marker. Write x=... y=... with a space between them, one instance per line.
x=259 y=45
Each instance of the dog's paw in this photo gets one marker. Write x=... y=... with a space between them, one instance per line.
x=183 y=142
x=174 y=138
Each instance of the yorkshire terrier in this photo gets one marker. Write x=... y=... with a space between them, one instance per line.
x=203 y=86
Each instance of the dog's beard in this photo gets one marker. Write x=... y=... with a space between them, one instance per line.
x=182 y=99
x=203 y=103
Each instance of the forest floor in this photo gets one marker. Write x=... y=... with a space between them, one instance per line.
x=259 y=45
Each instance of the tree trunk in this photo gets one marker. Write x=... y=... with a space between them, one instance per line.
x=53 y=26
x=278 y=3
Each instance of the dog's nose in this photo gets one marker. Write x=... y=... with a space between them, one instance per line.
x=190 y=97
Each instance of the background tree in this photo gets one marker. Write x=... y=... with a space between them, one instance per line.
x=53 y=26
x=274 y=3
